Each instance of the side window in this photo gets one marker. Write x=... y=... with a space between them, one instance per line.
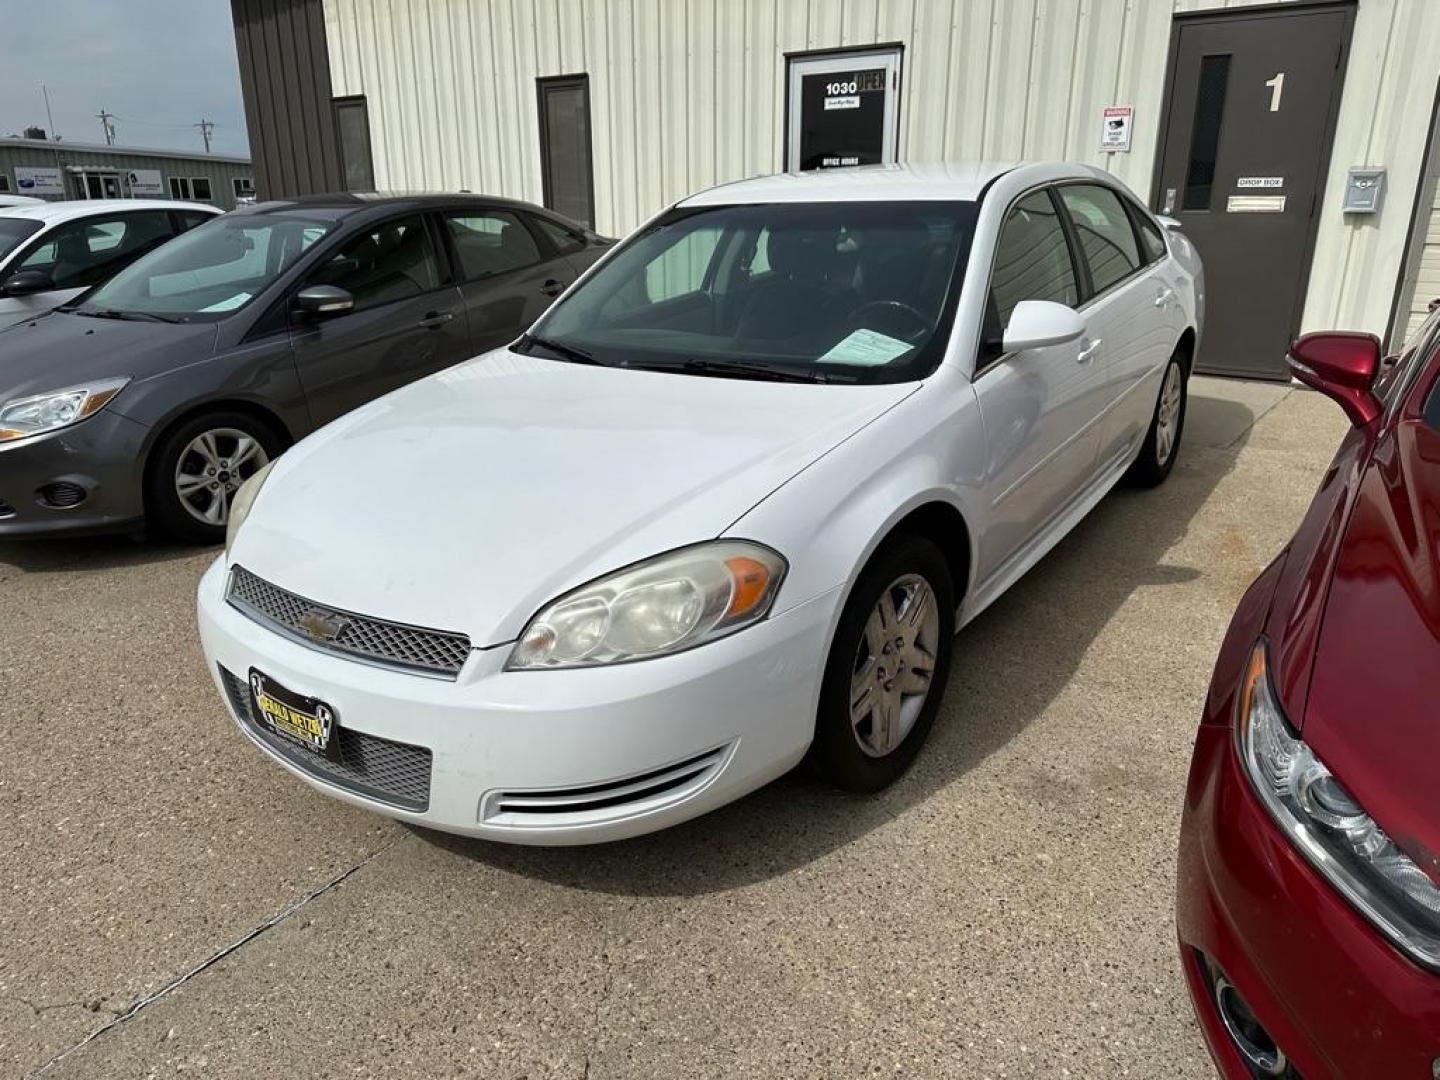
x=566 y=241
x=1152 y=244
x=491 y=242
x=1106 y=238
x=79 y=254
x=680 y=268
x=1396 y=376
x=391 y=261
x=200 y=185
x=1032 y=261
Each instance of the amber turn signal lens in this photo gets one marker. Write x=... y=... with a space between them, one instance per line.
x=751 y=578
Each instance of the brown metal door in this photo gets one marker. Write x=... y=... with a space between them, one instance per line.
x=1250 y=119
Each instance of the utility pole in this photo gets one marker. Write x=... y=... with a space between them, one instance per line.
x=107 y=126
x=205 y=126
x=48 y=118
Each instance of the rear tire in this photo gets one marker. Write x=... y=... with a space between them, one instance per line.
x=887 y=667
x=196 y=469
x=1167 y=425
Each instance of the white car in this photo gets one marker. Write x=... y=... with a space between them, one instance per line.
x=19 y=200
x=724 y=504
x=51 y=252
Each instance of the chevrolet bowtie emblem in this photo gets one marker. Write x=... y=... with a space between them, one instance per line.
x=322 y=625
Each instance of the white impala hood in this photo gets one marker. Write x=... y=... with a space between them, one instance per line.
x=469 y=499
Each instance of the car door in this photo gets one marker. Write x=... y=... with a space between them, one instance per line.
x=1130 y=311
x=507 y=278
x=83 y=252
x=407 y=321
x=1039 y=406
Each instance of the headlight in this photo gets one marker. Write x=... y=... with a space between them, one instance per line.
x=1330 y=828
x=654 y=608
x=23 y=417
x=243 y=500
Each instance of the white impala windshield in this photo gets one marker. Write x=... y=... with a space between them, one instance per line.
x=859 y=291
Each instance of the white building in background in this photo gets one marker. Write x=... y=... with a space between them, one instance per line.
x=1293 y=140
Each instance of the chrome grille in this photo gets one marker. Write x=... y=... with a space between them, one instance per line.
x=389 y=772
x=413 y=648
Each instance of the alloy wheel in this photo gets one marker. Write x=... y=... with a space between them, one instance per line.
x=894 y=665
x=212 y=467
x=1167 y=418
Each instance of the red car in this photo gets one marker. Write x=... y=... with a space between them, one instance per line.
x=1309 y=885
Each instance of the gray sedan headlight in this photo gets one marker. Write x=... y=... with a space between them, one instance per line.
x=661 y=606
x=1330 y=828
x=242 y=502
x=35 y=415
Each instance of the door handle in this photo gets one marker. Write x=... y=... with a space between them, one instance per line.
x=435 y=320
x=1163 y=297
x=1088 y=351
x=553 y=287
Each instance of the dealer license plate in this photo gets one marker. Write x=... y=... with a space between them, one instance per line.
x=305 y=720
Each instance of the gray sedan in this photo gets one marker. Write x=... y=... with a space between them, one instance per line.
x=152 y=397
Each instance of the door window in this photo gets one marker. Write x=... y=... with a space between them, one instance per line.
x=1151 y=242
x=491 y=242
x=391 y=261
x=1107 y=239
x=1032 y=261
x=1205 y=134
x=79 y=254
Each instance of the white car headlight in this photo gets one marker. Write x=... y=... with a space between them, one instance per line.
x=654 y=608
x=1330 y=828
x=243 y=500
x=23 y=417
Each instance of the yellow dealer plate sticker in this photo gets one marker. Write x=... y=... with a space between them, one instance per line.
x=293 y=716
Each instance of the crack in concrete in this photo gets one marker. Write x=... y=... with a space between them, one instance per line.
x=90 y=1004
x=135 y=1007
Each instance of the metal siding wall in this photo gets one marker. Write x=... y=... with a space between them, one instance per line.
x=688 y=93
x=285 y=82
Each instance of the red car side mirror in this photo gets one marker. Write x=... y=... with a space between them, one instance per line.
x=1342 y=366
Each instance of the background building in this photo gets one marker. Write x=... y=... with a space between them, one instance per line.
x=1293 y=139
x=72 y=170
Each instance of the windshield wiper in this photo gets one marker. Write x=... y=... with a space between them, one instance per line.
x=131 y=316
x=727 y=369
x=564 y=352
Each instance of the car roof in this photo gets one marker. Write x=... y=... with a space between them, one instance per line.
x=52 y=212
x=943 y=181
x=335 y=206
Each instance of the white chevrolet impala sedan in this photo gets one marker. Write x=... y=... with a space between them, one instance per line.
x=724 y=505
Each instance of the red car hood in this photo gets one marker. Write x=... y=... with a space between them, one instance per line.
x=1373 y=711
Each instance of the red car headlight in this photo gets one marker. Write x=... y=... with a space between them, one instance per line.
x=1329 y=826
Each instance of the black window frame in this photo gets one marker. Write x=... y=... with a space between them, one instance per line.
x=1139 y=219
x=537 y=223
x=337 y=106
x=41 y=239
x=209 y=196
x=542 y=84
x=180 y=188
x=542 y=244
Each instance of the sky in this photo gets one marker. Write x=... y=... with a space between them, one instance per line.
x=159 y=65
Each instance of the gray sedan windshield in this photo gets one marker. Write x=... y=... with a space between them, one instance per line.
x=854 y=291
x=210 y=271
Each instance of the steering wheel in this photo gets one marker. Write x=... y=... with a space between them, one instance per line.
x=890 y=308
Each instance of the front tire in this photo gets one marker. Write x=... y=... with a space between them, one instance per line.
x=1167 y=425
x=887 y=667
x=197 y=468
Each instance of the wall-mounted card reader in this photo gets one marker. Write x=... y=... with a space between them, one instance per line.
x=1364 y=191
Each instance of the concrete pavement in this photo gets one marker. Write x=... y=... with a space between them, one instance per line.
x=172 y=903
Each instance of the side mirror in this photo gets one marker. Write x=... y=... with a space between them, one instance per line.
x=1036 y=324
x=28 y=283
x=1342 y=366
x=323 y=301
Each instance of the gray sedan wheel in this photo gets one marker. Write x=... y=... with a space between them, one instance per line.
x=211 y=469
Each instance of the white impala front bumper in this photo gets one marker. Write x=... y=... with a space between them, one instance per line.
x=540 y=757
